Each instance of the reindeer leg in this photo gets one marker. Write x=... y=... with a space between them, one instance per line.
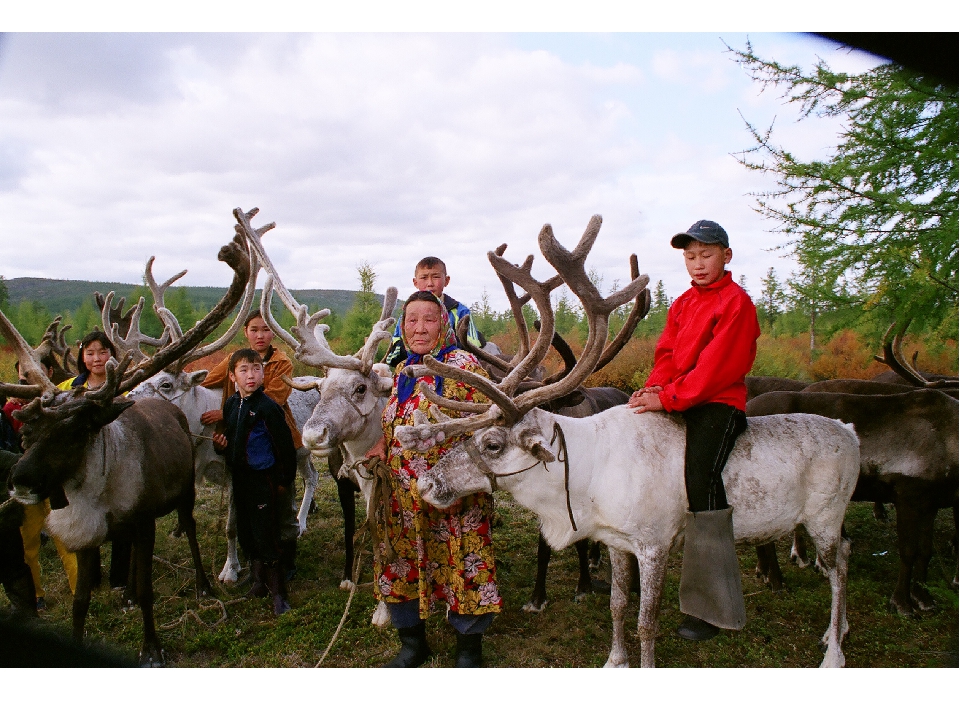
x=798 y=551
x=88 y=566
x=833 y=558
x=768 y=566
x=310 y=479
x=538 y=600
x=346 y=492
x=189 y=525
x=584 y=583
x=653 y=571
x=231 y=568
x=621 y=570
x=596 y=557
x=918 y=590
x=151 y=655
x=907 y=528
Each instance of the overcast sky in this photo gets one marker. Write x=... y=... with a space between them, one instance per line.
x=384 y=148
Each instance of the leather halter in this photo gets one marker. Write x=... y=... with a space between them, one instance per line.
x=562 y=456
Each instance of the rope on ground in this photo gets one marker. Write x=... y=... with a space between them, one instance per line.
x=346 y=610
x=208 y=605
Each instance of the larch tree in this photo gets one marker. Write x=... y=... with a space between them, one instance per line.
x=878 y=217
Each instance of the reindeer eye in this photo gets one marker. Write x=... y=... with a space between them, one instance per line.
x=361 y=389
x=493 y=447
x=166 y=386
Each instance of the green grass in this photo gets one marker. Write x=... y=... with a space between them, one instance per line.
x=783 y=630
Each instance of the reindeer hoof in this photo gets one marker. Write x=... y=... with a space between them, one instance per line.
x=152 y=658
x=531 y=607
x=347 y=585
x=381 y=616
x=898 y=607
x=922 y=600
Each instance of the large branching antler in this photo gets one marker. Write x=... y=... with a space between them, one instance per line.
x=893 y=357
x=641 y=306
x=307 y=338
x=236 y=254
x=506 y=408
x=30 y=366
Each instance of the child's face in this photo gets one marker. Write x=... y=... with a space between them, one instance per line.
x=248 y=377
x=95 y=357
x=433 y=279
x=705 y=263
x=259 y=335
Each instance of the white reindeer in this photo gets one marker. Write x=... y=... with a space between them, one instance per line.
x=351 y=396
x=617 y=477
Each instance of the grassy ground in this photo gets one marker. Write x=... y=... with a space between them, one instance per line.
x=782 y=630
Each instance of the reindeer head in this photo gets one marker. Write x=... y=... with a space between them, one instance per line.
x=58 y=424
x=503 y=435
x=355 y=388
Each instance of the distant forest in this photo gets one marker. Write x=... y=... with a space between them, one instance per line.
x=32 y=302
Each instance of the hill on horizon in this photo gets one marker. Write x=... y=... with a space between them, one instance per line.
x=60 y=296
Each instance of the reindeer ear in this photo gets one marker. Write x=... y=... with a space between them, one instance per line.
x=383 y=372
x=197 y=377
x=532 y=442
x=541 y=453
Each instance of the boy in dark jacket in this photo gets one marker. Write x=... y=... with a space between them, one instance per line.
x=258 y=448
x=706 y=349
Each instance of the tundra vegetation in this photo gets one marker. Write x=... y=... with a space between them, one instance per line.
x=781 y=631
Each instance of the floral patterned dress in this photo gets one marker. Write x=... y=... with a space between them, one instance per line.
x=442 y=556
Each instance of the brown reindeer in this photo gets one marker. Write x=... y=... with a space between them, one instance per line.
x=111 y=465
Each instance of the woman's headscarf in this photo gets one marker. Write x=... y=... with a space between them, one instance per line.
x=446 y=342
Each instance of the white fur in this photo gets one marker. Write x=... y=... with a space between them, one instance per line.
x=627 y=490
x=349 y=418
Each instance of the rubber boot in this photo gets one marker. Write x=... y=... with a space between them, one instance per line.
x=414 y=650
x=469 y=651
x=20 y=592
x=258 y=588
x=277 y=587
x=710 y=589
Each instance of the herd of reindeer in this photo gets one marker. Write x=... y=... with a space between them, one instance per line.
x=132 y=450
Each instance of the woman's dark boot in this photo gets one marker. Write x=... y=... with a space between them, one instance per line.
x=469 y=651
x=273 y=574
x=414 y=650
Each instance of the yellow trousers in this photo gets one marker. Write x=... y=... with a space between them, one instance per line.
x=33 y=518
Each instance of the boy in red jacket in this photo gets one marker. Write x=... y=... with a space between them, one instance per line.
x=706 y=349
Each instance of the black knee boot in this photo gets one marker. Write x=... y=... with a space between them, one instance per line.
x=469 y=650
x=414 y=650
x=258 y=588
x=273 y=574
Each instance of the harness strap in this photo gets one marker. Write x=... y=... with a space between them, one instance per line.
x=564 y=458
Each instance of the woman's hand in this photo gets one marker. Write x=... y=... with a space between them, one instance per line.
x=211 y=417
x=219 y=440
x=379 y=450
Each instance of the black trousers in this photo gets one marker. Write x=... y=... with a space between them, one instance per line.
x=259 y=501
x=712 y=430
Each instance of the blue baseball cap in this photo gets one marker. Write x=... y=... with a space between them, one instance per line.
x=705 y=231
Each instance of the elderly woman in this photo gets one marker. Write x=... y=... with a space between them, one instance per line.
x=429 y=556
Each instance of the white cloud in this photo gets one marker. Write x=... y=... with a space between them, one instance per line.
x=364 y=147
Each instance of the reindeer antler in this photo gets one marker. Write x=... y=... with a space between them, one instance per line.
x=893 y=357
x=308 y=339
x=507 y=408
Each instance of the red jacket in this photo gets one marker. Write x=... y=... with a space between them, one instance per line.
x=707 y=347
